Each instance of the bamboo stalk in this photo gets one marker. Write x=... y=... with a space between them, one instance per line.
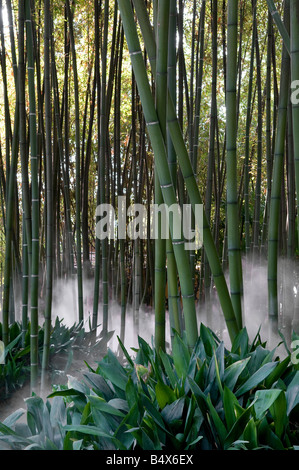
x=49 y=188
x=294 y=29
x=35 y=201
x=231 y=163
x=78 y=167
x=275 y=202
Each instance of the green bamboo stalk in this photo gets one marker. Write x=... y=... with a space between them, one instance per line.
x=291 y=188
x=98 y=97
x=268 y=130
x=172 y=282
x=275 y=202
x=294 y=15
x=10 y=205
x=211 y=155
x=161 y=97
x=23 y=140
x=102 y=166
x=231 y=163
x=34 y=199
x=78 y=166
x=5 y=93
x=69 y=258
x=280 y=26
x=25 y=286
x=117 y=102
x=49 y=188
x=26 y=222
x=136 y=252
x=257 y=207
x=199 y=80
x=63 y=167
x=12 y=41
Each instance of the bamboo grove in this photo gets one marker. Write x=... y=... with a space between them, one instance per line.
x=163 y=101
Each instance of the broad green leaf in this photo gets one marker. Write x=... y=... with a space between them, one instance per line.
x=85 y=414
x=11 y=345
x=292 y=393
x=266 y=435
x=65 y=393
x=279 y=412
x=125 y=352
x=77 y=444
x=76 y=384
x=219 y=426
x=233 y=372
x=229 y=402
x=263 y=400
x=256 y=378
x=12 y=418
x=114 y=375
x=131 y=393
x=153 y=412
x=119 y=403
x=168 y=369
x=200 y=397
x=240 y=343
x=277 y=372
x=91 y=430
x=164 y=394
x=174 y=411
x=250 y=434
x=181 y=357
x=190 y=415
x=208 y=340
x=99 y=384
x=238 y=427
x=100 y=404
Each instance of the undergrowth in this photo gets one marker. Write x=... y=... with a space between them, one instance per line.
x=244 y=398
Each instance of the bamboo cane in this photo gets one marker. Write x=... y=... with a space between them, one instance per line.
x=275 y=202
x=35 y=201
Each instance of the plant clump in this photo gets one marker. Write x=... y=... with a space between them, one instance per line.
x=211 y=398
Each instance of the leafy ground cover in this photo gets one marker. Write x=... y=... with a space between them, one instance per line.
x=66 y=344
x=209 y=398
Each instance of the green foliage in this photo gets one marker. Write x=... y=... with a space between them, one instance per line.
x=15 y=371
x=210 y=398
x=65 y=343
